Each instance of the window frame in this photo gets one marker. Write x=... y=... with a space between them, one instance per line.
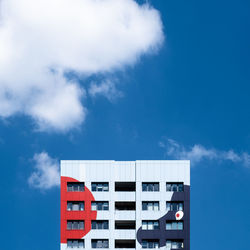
x=153 y=222
x=179 y=186
x=173 y=203
x=177 y=242
x=100 y=225
x=103 y=205
x=74 y=203
x=78 y=242
x=71 y=186
x=153 y=205
x=104 y=186
x=73 y=224
x=95 y=241
x=172 y=222
x=155 y=243
x=146 y=186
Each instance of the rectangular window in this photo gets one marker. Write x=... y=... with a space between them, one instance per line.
x=99 y=205
x=75 y=225
x=125 y=205
x=150 y=225
x=174 y=244
x=150 y=186
x=124 y=243
x=96 y=243
x=150 y=205
x=75 y=186
x=100 y=186
x=175 y=186
x=174 y=206
x=75 y=206
x=125 y=187
x=75 y=243
x=150 y=243
x=99 y=224
x=174 y=225
x=124 y=224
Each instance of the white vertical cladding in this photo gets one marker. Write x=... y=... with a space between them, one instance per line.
x=124 y=171
x=74 y=169
x=102 y=171
x=125 y=215
x=125 y=234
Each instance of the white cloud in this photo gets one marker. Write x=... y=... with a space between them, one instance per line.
x=106 y=88
x=198 y=153
x=46 y=173
x=40 y=40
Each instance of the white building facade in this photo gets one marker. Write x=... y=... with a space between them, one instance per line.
x=125 y=204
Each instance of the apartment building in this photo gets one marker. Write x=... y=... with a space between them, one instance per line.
x=125 y=204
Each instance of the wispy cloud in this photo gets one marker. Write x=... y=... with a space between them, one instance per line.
x=198 y=153
x=106 y=88
x=46 y=173
x=41 y=40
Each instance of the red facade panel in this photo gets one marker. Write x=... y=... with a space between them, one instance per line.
x=87 y=215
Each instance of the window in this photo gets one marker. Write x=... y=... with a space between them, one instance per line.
x=75 y=206
x=99 y=205
x=125 y=205
x=75 y=225
x=124 y=243
x=125 y=186
x=75 y=186
x=150 y=187
x=174 y=244
x=150 y=205
x=150 y=225
x=99 y=224
x=174 y=225
x=75 y=244
x=124 y=224
x=150 y=243
x=100 y=243
x=174 y=206
x=175 y=186
x=100 y=186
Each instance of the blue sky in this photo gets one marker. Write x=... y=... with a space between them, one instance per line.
x=194 y=90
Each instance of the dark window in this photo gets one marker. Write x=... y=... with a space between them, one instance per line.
x=99 y=205
x=125 y=186
x=174 y=225
x=150 y=243
x=175 y=186
x=75 y=186
x=100 y=186
x=75 y=206
x=150 y=224
x=71 y=243
x=150 y=186
x=174 y=206
x=124 y=205
x=96 y=243
x=125 y=224
x=99 y=224
x=150 y=205
x=124 y=243
x=75 y=225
